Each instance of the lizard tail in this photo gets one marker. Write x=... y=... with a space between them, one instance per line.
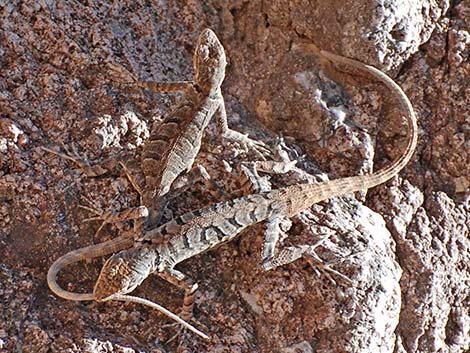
x=132 y=299
x=318 y=192
x=89 y=252
x=167 y=87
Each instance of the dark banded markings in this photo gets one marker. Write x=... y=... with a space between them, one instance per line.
x=165 y=131
x=150 y=165
x=235 y=222
x=170 y=228
x=233 y=203
x=184 y=145
x=226 y=229
x=156 y=146
x=223 y=208
x=252 y=216
x=243 y=217
x=164 y=229
x=209 y=235
x=186 y=241
x=175 y=157
x=200 y=121
x=156 y=152
x=171 y=249
x=187 y=217
x=261 y=212
x=197 y=213
x=192 y=131
x=179 y=220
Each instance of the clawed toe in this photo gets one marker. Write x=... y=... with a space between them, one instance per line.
x=260 y=148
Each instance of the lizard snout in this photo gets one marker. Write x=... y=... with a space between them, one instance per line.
x=123 y=272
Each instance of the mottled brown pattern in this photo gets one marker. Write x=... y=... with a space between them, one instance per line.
x=177 y=241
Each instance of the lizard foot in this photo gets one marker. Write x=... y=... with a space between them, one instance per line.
x=71 y=155
x=82 y=162
x=113 y=216
x=259 y=147
x=326 y=268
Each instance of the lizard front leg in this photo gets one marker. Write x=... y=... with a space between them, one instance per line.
x=235 y=136
x=97 y=169
x=137 y=214
x=276 y=226
x=272 y=235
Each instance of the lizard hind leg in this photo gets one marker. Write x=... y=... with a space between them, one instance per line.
x=276 y=226
x=88 y=169
x=189 y=287
x=293 y=253
x=137 y=180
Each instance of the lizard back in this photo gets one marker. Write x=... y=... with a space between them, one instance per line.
x=174 y=144
x=201 y=230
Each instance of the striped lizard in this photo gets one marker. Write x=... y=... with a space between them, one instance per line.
x=174 y=143
x=160 y=249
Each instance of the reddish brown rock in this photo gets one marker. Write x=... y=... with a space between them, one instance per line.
x=408 y=262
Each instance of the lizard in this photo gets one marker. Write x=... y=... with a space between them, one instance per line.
x=160 y=249
x=170 y=150
x=185 y=126
x=174 y=143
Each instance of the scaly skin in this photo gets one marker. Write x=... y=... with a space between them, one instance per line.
x=86 y=253
x=174 y=143
x=170 y=150
x=160 y=249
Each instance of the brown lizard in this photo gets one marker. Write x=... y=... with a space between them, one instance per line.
x=184 y=128
x=159 y=250
x=174 y=142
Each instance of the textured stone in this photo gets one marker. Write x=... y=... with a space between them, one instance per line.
x=407 y=259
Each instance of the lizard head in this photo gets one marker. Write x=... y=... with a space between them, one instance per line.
x=209 y=62
x=123 y=272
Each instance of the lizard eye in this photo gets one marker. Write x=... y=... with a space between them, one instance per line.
x=204 y=52
x=123 y=271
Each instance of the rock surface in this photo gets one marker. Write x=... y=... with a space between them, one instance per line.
x=405 y=245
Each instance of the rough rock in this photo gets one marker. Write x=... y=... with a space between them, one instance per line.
x=404 y=246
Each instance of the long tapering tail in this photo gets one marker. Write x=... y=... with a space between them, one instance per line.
x=321 y=191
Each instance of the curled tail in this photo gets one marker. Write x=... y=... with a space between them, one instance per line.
x=385 y=174
x=317 y=192
x=89 y=252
